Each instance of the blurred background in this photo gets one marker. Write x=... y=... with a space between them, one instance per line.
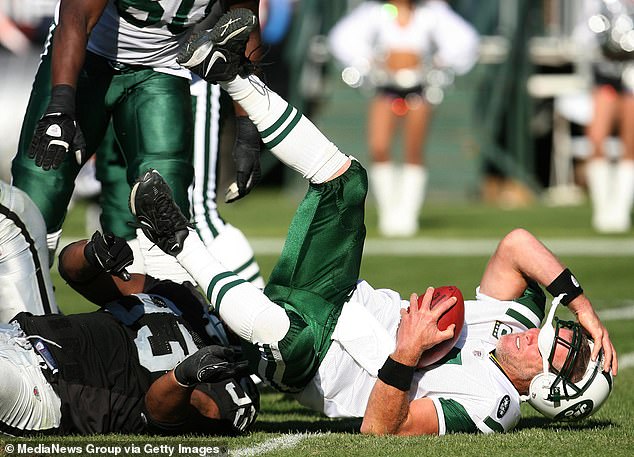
x=509 y=133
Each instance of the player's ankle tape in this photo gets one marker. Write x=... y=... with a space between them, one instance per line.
x=396 y=374
x=566 y=284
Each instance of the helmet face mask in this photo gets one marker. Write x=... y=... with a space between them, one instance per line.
x=553 y=392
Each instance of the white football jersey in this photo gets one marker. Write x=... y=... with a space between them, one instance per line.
x=467 y=380
x=145 y=32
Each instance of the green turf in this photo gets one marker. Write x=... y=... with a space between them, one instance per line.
x=608 y=282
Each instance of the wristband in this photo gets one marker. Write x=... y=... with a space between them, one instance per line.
x=566 y=284
x=396 y=374
x=62 y=100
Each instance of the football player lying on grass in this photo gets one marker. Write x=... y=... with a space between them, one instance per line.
x=349 y=350
x=151 y=360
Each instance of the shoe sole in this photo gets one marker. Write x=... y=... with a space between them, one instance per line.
x=134 y=190
x=219 y=35
x=133 y=198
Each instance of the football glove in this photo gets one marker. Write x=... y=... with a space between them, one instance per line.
x=210 y=364
x=246 y=155
x=57 y=132
x=110 y=253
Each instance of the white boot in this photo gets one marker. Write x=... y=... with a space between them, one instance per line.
x=383 y=184
x=410 y=201
x=599 y=185
x=624 y=195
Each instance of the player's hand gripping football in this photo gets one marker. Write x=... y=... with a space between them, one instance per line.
x=210 y=364
x=418 y=329
x=110 y=253
x=246 y=155
x=57 y=132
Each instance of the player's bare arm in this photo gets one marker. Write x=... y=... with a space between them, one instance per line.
x=76 y=20
x=389 y=410
x=58 y=133
x=91 y=280
x=171 y=399
x=520 y=255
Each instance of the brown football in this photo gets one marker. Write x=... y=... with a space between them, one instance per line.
x=455 y=315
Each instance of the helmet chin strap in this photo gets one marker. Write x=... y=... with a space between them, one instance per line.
x=546 y=337
x=546 y=340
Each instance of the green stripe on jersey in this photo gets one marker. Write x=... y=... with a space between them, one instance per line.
x=453 y=357
x=457 y=419
x=520 y=318
x=493 y=425
x=534 y=299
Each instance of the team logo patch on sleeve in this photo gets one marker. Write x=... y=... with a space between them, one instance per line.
x=500 y=329
x=503 y=407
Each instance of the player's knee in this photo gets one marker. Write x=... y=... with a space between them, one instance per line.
x=270 y=325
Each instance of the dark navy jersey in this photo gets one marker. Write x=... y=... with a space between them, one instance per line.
x=103 y=362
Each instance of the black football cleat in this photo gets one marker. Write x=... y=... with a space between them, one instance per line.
x=217 y=54
x=157 y=214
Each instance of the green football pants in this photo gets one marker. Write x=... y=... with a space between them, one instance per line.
x=151 y=116
x=315 y=276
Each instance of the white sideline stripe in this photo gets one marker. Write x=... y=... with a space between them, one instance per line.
x=626 y=361
x=451 y=247
x=280 y=442
x=615 y=314
x=454 y=247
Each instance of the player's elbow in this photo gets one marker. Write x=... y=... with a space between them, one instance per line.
x=515 y=240
x=368 y=428
x=374 y=427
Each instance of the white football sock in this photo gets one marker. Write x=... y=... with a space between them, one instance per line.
x=241 y=305
x=159 y=264
x=232 y=249
x=138 y=265
x=288 y=134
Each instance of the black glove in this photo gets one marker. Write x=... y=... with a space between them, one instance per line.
x=57 y=132
x=246 y=155
x=210 y=364
x=110 y=253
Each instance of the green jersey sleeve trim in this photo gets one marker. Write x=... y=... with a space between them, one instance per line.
x=520 y=318
x=493 y=425
x=534 y=299
x=456 y=417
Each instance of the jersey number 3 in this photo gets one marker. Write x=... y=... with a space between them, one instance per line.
x=160 y=350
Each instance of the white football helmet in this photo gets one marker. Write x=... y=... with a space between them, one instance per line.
x=552 y=392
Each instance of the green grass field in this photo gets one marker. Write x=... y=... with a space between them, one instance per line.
x=286 y=429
